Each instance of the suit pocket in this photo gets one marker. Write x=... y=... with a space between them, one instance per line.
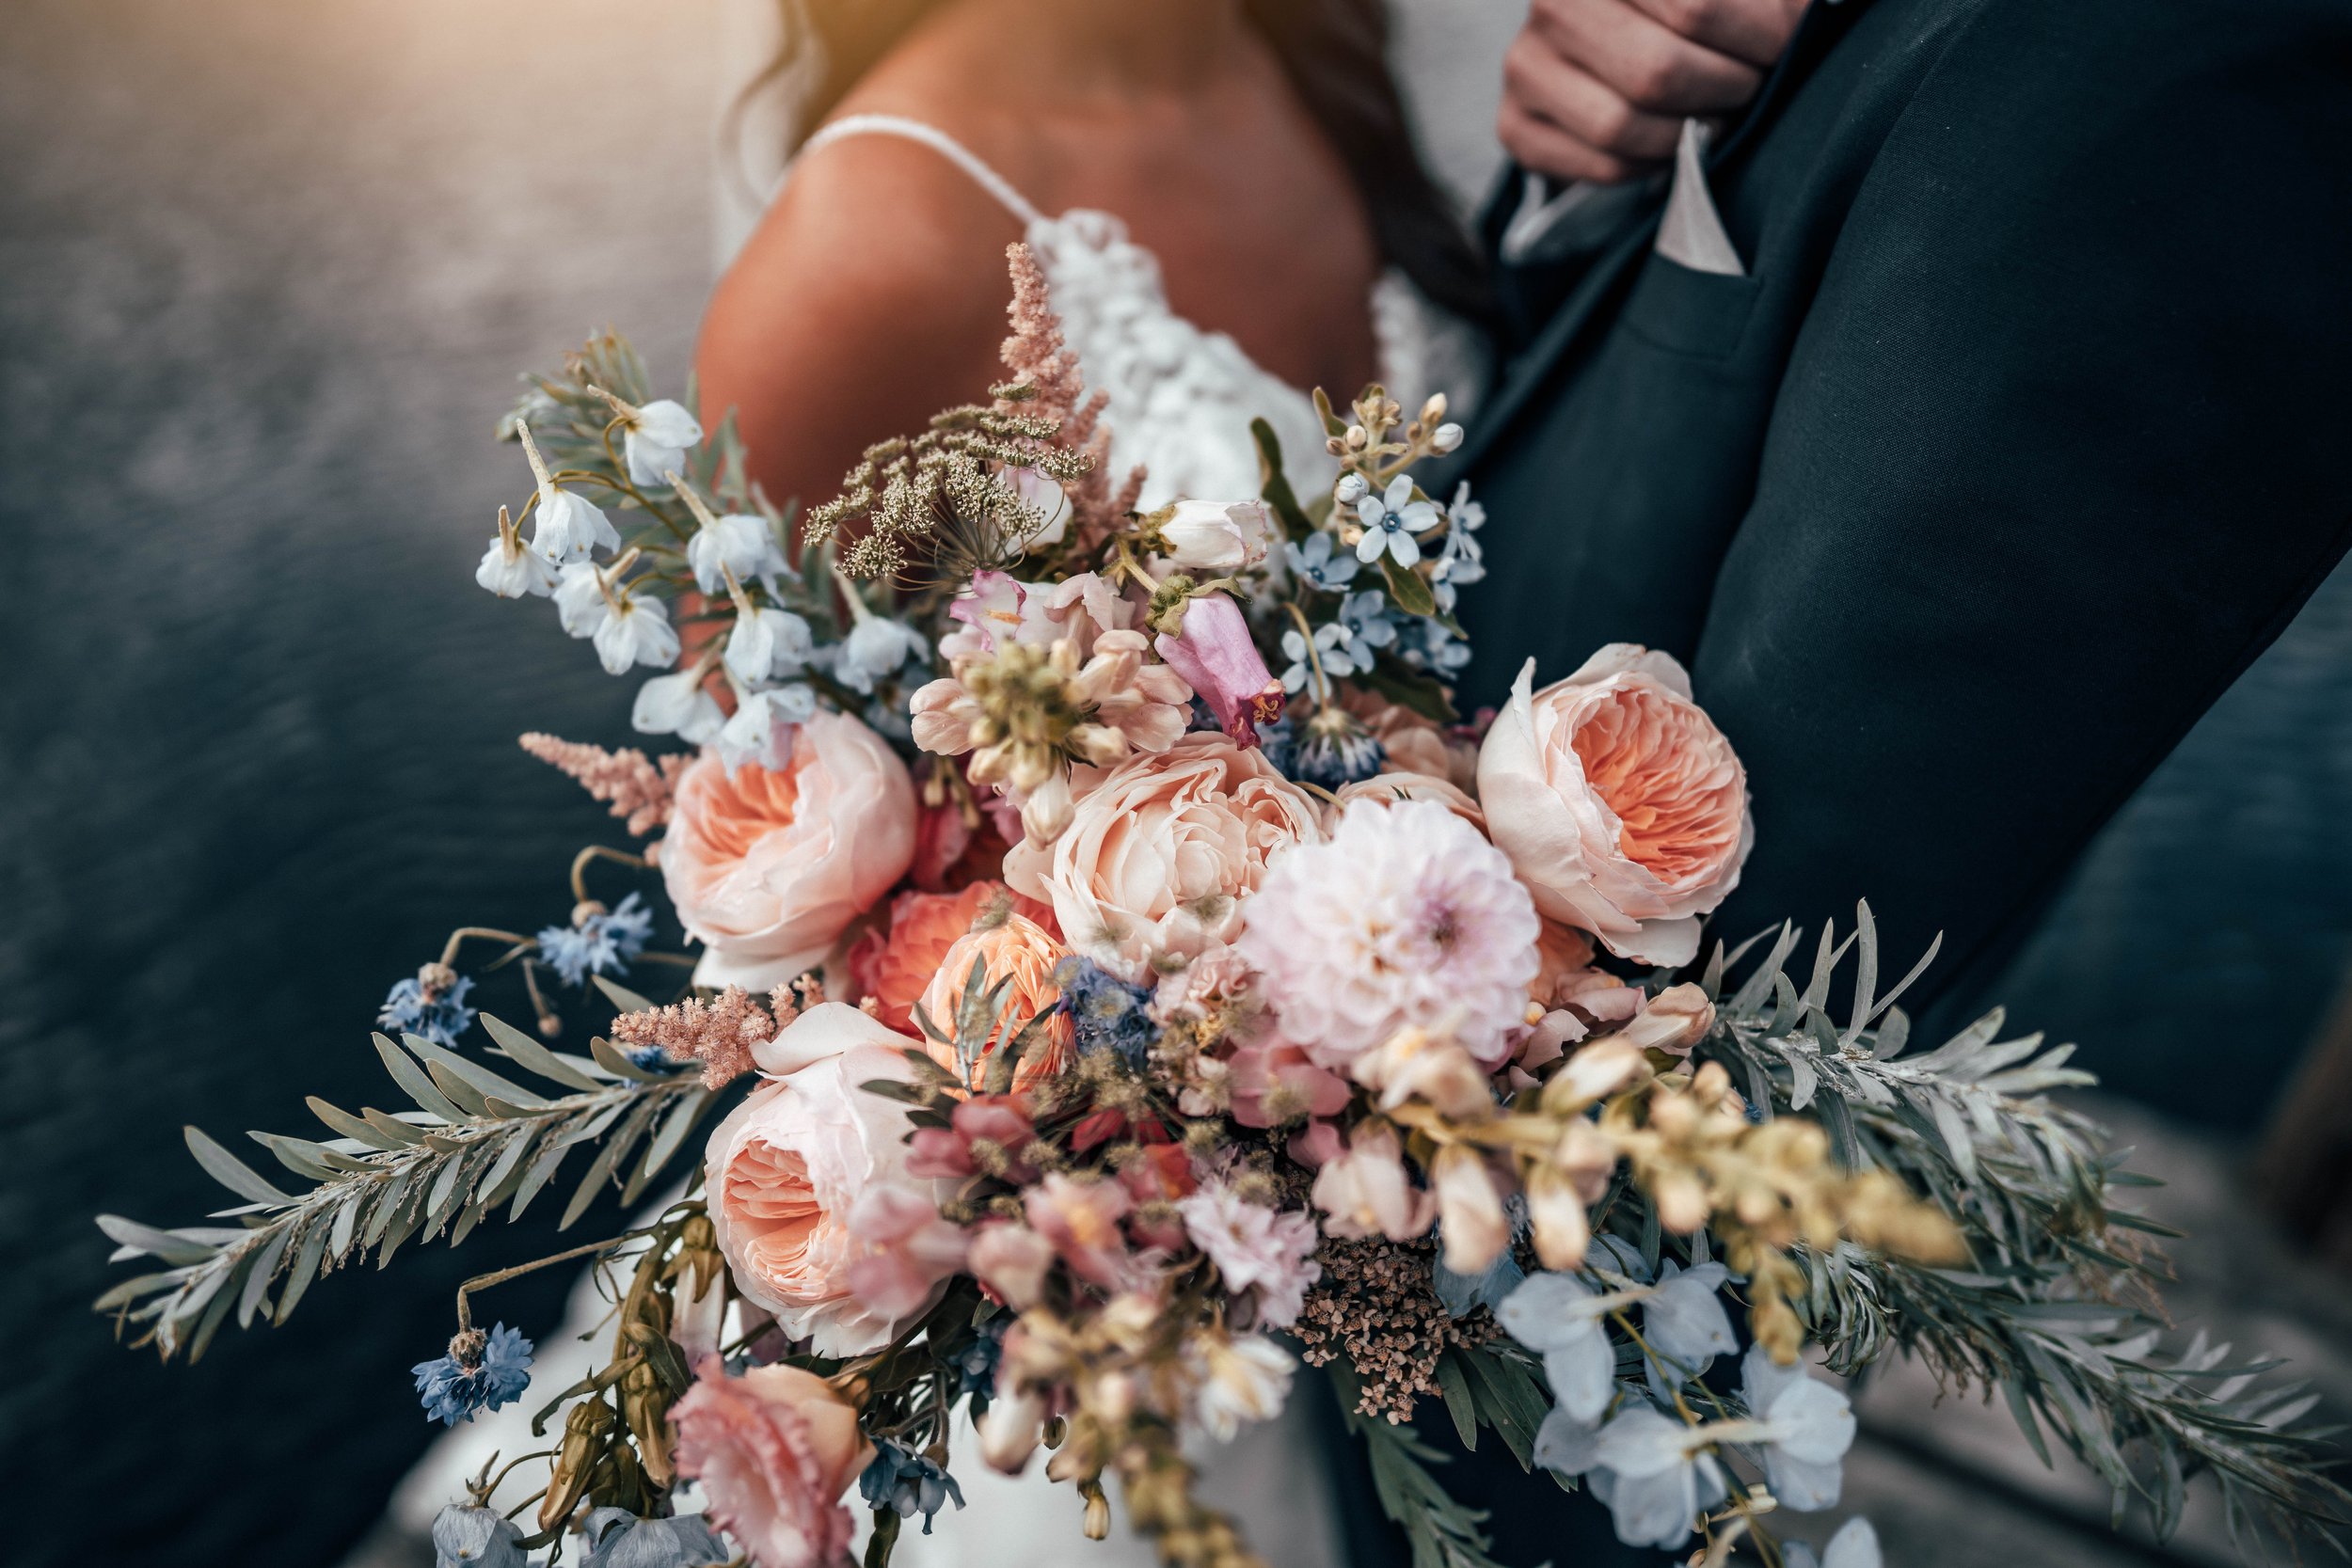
x=1682 y=311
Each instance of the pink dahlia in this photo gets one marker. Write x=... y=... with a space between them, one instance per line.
x=1406 y=915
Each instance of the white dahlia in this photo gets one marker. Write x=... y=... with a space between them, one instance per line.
x=1406 y=915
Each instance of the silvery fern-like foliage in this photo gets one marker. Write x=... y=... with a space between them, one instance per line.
x=2059 y=1309
x=476 y=1140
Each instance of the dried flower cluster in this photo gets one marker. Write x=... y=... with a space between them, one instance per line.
x=1376 y=1307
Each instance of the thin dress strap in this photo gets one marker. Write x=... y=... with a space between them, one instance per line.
x=938 y=141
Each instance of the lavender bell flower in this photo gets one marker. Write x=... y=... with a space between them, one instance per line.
x=618 y=1539
x=1220 y=659
x=476 y=1537
x=1809 y=1424
x=1854 y=1546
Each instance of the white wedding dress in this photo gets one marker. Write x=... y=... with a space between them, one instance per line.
x=1180 y=399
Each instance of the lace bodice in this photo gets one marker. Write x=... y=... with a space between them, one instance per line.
x=1180 y=396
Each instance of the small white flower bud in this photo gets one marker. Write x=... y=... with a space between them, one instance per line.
x=1350 y=489
x=1448 y=436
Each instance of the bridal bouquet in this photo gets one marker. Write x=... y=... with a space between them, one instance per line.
x=1126 y=978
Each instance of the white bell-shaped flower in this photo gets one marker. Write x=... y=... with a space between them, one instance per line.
x=511 y=568
x=1854 y=1546
x=767 y=645
x=636 y=630
x=566 y=528
x=678 y=704
x=581 y=603
x=740 y=545
x=764 y=728
x=877 y=647
x=1561 y=1317
x=654 y=438
x=1809 y=1424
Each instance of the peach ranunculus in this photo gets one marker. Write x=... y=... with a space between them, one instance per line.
x=768 y=869
x=894 y=962
x=1016 y=949
x=785 y=1169
x=1620 y=803
x=1163 y=851
x=776 y=1450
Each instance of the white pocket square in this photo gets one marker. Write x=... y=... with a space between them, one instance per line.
x=1692 y=232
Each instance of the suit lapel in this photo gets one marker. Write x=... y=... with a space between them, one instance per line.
x=1823 y=23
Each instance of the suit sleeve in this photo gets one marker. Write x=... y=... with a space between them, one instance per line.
x=2063 y=444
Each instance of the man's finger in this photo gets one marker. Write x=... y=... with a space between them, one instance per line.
x=1544 y=148
x=1754 y=31
x=1545 y=86
x=1640 y=59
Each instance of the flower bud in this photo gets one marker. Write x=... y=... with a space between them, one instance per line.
x=1556 y=1214
x=1098 y=1519
x=1009 y=1432
x=1592 y=1074
x=1471 y=1219
x=1445 y=438
x=1675 y=1020
x=1350 y=489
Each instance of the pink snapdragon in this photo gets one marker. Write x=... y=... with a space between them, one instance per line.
x=1220 y=659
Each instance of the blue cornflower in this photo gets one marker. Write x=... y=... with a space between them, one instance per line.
x=905 y=1481
x=1105 y=1012
x=1337 y=750
x=597 y=941
x=975 y=1364
x=481 y=1372
x=1317 y=562
x=650 y=1058
x=439 y=1015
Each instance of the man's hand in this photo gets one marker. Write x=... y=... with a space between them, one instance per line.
x=1599 y=89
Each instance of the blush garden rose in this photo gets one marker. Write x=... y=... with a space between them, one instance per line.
x=1620 y=803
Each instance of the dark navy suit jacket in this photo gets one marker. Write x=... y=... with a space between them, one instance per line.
x=2026 y=430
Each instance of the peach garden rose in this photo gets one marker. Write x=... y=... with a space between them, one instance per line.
x=767 y=869
x=788 y=1168
x=1162 y=851
x=1620 y=803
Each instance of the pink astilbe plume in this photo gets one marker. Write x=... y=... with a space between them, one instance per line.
x=719 y=1034
x=638 y=788
x=1039 y=358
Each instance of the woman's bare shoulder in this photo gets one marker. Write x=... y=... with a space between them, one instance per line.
x=871 y=294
